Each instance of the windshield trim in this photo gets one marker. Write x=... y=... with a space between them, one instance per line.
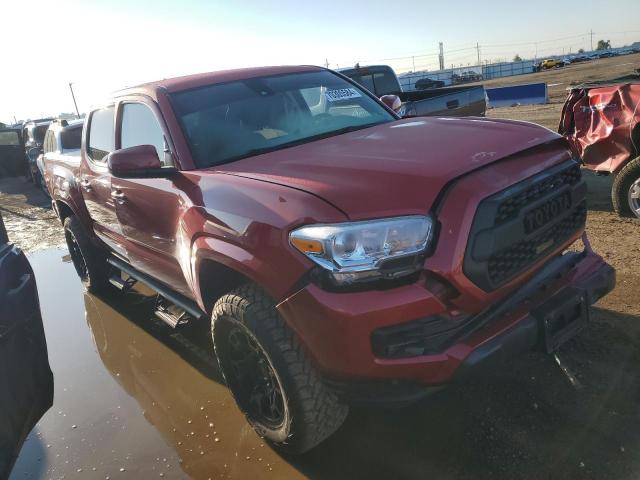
x=394 y=116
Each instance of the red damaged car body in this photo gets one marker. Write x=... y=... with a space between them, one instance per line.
x=371 y=262
x=602 y=124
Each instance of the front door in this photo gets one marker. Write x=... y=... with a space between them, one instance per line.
x=12 y=159
x=95 y=178
x=149 y=208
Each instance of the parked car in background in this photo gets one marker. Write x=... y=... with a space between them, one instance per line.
x=381 y=80
x=580 y=58
x=602 y=123
x=340 y=254
x=62 y=139
x=33 y=135
x=607 y=54
x=12 y=153
x=551 y=63
x=26 y=381
x=427 y=83
x=466 y=77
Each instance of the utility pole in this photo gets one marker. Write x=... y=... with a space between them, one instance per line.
x=413 y=60
x=15 y=120
x=326 y=62
x=441 y=57
x=478 y=49
x=74 y=99
x=591 y=33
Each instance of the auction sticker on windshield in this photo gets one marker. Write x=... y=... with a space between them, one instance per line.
x=342 y=94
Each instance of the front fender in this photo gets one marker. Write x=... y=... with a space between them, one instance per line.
x=276 y=276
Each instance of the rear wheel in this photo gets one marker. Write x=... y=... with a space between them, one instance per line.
x=89 y=261
x=269 y=375
x=625 y=192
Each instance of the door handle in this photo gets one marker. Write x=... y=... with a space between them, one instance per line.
x=118 y=196
x=453 y=104
x=86 y=184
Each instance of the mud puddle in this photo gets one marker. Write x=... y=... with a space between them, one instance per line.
x=135 y=399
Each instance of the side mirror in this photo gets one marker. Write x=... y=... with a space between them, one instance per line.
x=392 y=101
x=138 y=161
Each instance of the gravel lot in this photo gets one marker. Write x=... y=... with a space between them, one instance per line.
x=523 y=421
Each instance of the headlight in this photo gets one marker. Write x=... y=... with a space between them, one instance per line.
x=358 y=251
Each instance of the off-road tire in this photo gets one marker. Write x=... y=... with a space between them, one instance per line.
x=313 y=410
x=95 y=275
x=621 y=185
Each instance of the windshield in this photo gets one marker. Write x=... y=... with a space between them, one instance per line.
x=225 y=122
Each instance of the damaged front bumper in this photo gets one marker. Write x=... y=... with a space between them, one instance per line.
x=337 y=328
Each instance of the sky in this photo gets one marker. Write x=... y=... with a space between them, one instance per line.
x=102 y=46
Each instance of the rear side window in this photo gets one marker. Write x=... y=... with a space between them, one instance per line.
x=71 y=138
x=140 y=127
x=9 y=138
x=39 y=132
x=101 y=136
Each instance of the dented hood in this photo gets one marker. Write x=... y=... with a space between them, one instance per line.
x=394 y=168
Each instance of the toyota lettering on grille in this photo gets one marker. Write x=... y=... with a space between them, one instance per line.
x=542 y=215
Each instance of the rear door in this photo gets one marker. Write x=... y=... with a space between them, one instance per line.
x=95 y=178
x=12 y=158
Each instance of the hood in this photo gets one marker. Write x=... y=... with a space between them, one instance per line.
x=395 y=168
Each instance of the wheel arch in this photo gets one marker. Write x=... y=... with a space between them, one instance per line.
x=214 y=279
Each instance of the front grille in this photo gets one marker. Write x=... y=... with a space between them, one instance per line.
x=510 y=207
x=521 y=225
x=503 y=265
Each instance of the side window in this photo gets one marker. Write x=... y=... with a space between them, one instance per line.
x=140 y=127
x=101 y=136
x=9 y=138
x=71 y=138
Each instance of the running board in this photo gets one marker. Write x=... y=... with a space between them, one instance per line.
x=121 y=284
x=179 y=300
x=168 y=313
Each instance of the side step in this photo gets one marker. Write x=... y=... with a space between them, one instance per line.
x=121 y=284
x=186 y=304
x=170 y=314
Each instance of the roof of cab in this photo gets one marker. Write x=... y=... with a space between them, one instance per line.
x=187 y=82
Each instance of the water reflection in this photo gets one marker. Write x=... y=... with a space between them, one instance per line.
x=173 y=377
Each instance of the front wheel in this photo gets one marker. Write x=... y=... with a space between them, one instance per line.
x=625 y=192
x=269 y=374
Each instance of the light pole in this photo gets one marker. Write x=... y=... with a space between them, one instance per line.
x=74 y=99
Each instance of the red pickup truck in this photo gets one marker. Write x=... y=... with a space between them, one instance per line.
x=341 y=254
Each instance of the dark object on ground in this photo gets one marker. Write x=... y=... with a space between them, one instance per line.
x=26 y=381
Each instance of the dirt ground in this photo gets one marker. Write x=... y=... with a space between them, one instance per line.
x=135 y=399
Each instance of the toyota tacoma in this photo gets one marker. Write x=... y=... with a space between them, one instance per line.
x=340 y=253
